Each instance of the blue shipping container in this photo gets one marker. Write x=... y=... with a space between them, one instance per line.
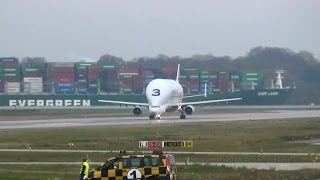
x=81 y=77
x=64 y=87
x=92 y=91
x=202 y=87
x=82 y=90
x=93 y=81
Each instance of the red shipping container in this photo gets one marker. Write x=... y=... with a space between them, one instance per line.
x=169 y=70
x=94 y=69
x=63 y=69
x=147 y=72
x=126 y=86
x=10 y=64
x=130 y=70
x=32 y=74
x=193 y=86
x=63 y=80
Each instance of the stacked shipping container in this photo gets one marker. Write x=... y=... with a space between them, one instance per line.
x=184 y=82
x=234 y=81
x=62 y=76
x=204 y=82
x=34 y=72
x=93 y=79
x=10 y=75
x=130 y=79
x=190 y=80
x=32 y=80
x=213 y=82
x=251 y=80
x=81 y=77
x=223 y=80
x=168 y=72
x=85 y=77
x=147 y=76
x=109 y=81
x=193 y=77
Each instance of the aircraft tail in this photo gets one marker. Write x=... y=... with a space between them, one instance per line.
x=178 y=73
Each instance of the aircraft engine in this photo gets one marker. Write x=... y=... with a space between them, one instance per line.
x=189 y=109
x=137 y=111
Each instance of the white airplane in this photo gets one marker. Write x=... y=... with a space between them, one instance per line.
x=165 y=95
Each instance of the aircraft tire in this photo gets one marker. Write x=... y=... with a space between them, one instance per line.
x=151 y=117
x=182 y=116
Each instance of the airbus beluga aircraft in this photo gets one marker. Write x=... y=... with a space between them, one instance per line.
x=165 y=95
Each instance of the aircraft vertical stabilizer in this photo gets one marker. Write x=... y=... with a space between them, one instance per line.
x=178 y=73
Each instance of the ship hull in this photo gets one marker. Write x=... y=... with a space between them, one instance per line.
x=250 y=97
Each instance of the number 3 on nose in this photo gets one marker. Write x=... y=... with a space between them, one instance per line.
x=156 y=92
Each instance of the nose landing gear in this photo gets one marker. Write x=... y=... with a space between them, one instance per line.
x=152 y=116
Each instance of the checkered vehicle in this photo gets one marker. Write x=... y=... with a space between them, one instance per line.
x=136 y=167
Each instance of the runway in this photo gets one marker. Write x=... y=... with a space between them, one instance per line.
x=78 y=122
x=266 y=166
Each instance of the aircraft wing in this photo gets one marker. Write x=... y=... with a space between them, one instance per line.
x=125 y=103
x=210 y=101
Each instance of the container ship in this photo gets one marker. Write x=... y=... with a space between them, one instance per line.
x=35 y=82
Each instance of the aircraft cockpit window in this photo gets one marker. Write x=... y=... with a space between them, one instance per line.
x=155 y=106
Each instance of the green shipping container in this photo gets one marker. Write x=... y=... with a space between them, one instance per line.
x=204 y=73
x=234 y=77
x=93 y=85
x=26 y=70
x=125 y=76
x=213 y=77
x=204 y=77
x=194 y=90
x=12 y=71
x=109 y=67
x=83 y=64
x=127 y=90
x=194 y=77
x=215 y=90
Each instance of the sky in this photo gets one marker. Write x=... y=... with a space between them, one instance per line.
x=70 y=30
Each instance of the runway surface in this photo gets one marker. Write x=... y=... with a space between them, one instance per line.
x=54 y=123
x=267 y=166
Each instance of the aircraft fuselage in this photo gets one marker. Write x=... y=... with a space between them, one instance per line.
x=163 y=94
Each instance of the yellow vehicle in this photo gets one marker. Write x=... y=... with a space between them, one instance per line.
x=134 y=167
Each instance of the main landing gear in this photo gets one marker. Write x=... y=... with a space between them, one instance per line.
x=181 y=110
x=151 y=117
x=182 y=116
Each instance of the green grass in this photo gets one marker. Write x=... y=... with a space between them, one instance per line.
x=243 y=136
x=252 y=136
